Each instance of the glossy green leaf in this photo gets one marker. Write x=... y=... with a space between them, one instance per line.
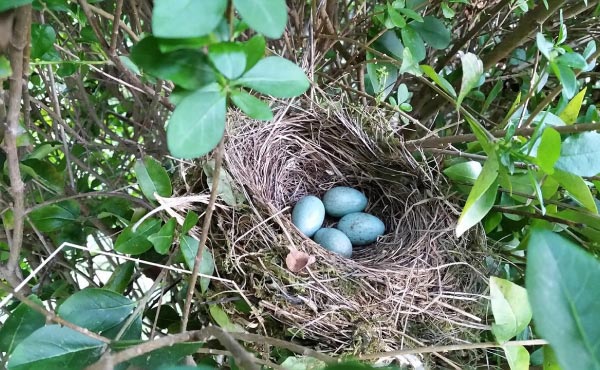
x=228 y=58
x=55 y=216
x=433 y=31
x=465 y=172
x=472 y=68
x=133 y=331
x=483 y=136
x=136 y=242
x=562 y=282
x=5 y=68
x=96 y=309
x=409 y=13
x=571 y=112
x=390 y=44
x=197 y=124
x=163 y=239
x=550 y=361
x=276 y=76
x=22 y=321
x=382 y=77
x=548 y=151
x=439 y=80
x=544 y=46
x=510 y=308
x=252 y=106
x=577 y=188
x=254 y=50
x=169 y=45
x=11 y=4
x=191 y=220
x=186 y=68
x=447 y=11
x=221 y=318
x=121 y=277
x=567 y=79
x=268 y=17
x=412 y=40
x=517 y=357
x=189 y=248
x=572 y=60
x=42 y=39
x=409 y=64
x=152 y=178
x=186 y=18
x=53 y=348
x=304 y=363
x=395 y=17
x=402 y=95
x=492 y=95
x=579 y=154
x=160 y=358
x=482 y=197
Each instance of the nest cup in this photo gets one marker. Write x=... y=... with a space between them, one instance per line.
x=412 y=287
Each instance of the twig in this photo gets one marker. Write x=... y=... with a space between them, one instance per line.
x=17 y=187
x=453 y=347
x=538 y=216
x=121 y=24
x=204 y=236
x=243 y=358
x=116 y=24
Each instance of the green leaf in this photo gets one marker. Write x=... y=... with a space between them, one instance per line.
x=579 y=154
x=159 y=358
x=544 y=46
x=482 y=197
x=562 y=281
x=517 y=357
x=510 y=308
x=152 y=178
x=409 y=13
x=550 y=360
x=229 y=58
x=492 y=96
x=268 y=17
x=191 y=219
x=20 y=324
x=136 y=242
x=11 y=4
x=121 y=277
x=169 y=45
x=305 y=363
x=465 y=172
x=96 y=309
x=42 y=39
x=189 y=248
x=55 y=216
x=483 y=136
x=403 y=95
x=5 y=69
x=54 y=348
x=186 y=18
x=252 y=106
x=382 y=77
x=472 y=68
x=163 y=239
x=571 y=112
x=255 y=50
x=433 y=31
x=412 y=40
x=577 y=188
x=447 y=11
x=187 y=68
x=409 y=64
x=276 y=76
x=396 y=18
x=567 y=79
x=222 y=319
x=197 y=124
x=548 y=151
x=572 y=60
x=133 y=331
x=439 y=80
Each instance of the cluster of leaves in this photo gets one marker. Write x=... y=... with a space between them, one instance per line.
x=193 y=46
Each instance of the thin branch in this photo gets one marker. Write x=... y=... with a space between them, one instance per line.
x=453 y=347
x=204 y=236
x=17 y=187
x=116 y=23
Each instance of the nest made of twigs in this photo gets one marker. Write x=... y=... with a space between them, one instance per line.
x=415 y=283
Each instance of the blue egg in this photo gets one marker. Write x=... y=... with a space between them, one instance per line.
x=334 y=240
x=342 y=200
x=308 y=215
x=361 y=228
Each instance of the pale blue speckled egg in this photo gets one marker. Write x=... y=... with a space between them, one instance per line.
x=342 y=200
x=308 y=215
x=361 y=228
x=334 y=241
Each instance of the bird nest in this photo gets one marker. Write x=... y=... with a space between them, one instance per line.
x=415 y=286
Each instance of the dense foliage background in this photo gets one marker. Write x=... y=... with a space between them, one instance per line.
x=499 y=95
